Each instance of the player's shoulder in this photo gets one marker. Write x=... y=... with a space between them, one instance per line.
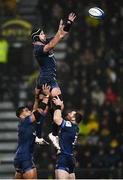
x=38 y=49
x=38 y=46
x=28 y=120
x=67 y=123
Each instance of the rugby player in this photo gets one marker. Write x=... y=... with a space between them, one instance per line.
x=68 y=133
x=43 y=51
x=23 y=161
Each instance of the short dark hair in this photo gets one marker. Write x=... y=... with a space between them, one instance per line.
x=19 y=111
x=78 y=117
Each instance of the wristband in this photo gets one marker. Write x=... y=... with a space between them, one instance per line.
x=42 y=105
x=71 y=22
x=57 y=107
x=68 y=26
x=37 y=115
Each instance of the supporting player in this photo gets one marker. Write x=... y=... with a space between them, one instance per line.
x=67 y=138
x=23 y=161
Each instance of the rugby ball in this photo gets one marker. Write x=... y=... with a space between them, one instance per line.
x=96 y=13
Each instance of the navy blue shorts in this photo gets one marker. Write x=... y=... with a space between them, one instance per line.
x=51 y=82
x=66 y=163
x=23 y=166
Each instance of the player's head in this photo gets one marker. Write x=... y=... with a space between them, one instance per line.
x=74 y=116
x=38 y=35
x=22 y=112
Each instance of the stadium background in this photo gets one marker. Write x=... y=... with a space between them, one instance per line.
x=90 y=74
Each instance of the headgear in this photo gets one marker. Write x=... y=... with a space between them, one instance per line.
x=35 y=35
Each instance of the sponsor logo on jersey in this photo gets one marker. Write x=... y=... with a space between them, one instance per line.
x=68 y=124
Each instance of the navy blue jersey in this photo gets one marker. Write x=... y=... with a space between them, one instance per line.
x=46 y=62
x=67 y=137
x=26 y=139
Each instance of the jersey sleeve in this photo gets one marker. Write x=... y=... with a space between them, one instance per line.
x=39 y=49
x=65 y=124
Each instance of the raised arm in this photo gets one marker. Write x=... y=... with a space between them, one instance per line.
x=44 y=99
x=68 y=24
x=57 y=38
x=57 y=117
x=41 y=102
x=61 y=33
x=37 y=92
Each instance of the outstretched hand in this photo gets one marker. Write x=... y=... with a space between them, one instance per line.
x=46 y=89
x=61 y=31
x=57 y=101
x=71 y=17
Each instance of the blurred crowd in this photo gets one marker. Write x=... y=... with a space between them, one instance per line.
x=92 y=83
